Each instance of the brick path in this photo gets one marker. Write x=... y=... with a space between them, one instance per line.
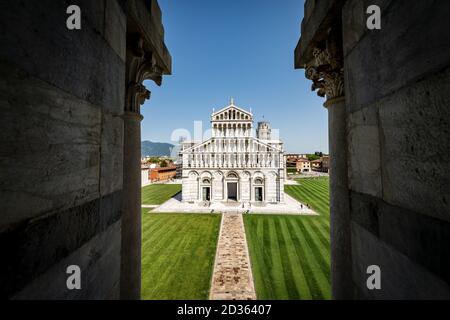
x=232 y=276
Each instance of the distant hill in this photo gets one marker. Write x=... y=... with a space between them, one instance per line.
x=157 y=149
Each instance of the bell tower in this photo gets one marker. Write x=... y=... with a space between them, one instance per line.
x=263 y=132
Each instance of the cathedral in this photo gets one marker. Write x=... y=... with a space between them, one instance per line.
x=234 y=165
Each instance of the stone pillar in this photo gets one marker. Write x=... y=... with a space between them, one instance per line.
x=140 y=66
x=327 y=76
x=131 y=206
x=339 y=201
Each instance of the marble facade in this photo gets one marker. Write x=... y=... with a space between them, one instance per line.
x=233 y=165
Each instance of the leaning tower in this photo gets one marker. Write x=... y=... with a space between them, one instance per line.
x=263 y=131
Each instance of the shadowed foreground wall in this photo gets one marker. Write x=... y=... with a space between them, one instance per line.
x=397 y=141
x=62 y=96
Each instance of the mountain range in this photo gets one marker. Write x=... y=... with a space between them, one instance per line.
x=155 y=149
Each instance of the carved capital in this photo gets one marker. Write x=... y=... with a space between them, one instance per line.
x=136 y=96
x=141 y=65
x=326 y=73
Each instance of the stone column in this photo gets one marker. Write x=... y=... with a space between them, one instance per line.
x=139 y=66
x=339 y=201
x=131 y=206
x=327 y=76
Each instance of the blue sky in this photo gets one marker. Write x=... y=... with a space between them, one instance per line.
x=242 y=49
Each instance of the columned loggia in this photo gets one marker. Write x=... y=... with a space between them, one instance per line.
x=326 y=72
x=140 y=65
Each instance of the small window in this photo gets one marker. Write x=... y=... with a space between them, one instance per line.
x=206 y=181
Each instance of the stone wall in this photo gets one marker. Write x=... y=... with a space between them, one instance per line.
x=397 y=120
x=398 y=116
x=62 y=96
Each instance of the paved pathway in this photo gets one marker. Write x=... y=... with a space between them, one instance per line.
x=149 y=205
x=232 y=277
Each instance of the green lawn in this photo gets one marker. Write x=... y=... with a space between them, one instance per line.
x=159 y=193
x=290 y=255
x=314 y=191
x=178 y=253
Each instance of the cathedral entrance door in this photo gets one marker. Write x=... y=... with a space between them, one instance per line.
x=206 y=193
x=232 y=191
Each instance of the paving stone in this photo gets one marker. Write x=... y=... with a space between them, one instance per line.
x=232 y=276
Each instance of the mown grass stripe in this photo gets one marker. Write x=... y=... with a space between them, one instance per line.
x=321 y=189
x=163 y=234
x=321 y=235
x=294 y=260
x=166 y=244
x=158 y=193
x=308 y=193
x=313 y=194
x=300 y=238
x=281 y=291
x=162 y=265
x=182 y=270
x=259 y=250
x=261 y=286
x=151 y=225
x=286 y=263
x=302 y=252
x=319 y=252
x=322 y=252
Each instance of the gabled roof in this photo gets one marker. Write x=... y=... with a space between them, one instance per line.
x=232 y=106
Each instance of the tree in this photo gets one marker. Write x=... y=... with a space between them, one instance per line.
x=312 y=157
x=163 y=163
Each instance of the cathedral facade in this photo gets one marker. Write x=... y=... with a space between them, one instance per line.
x=234 y=165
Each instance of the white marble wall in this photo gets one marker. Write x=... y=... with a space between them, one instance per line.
x=217 y=186
x=193 y=180
x=144 y=177
x=234 y=153
x=190 y=186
